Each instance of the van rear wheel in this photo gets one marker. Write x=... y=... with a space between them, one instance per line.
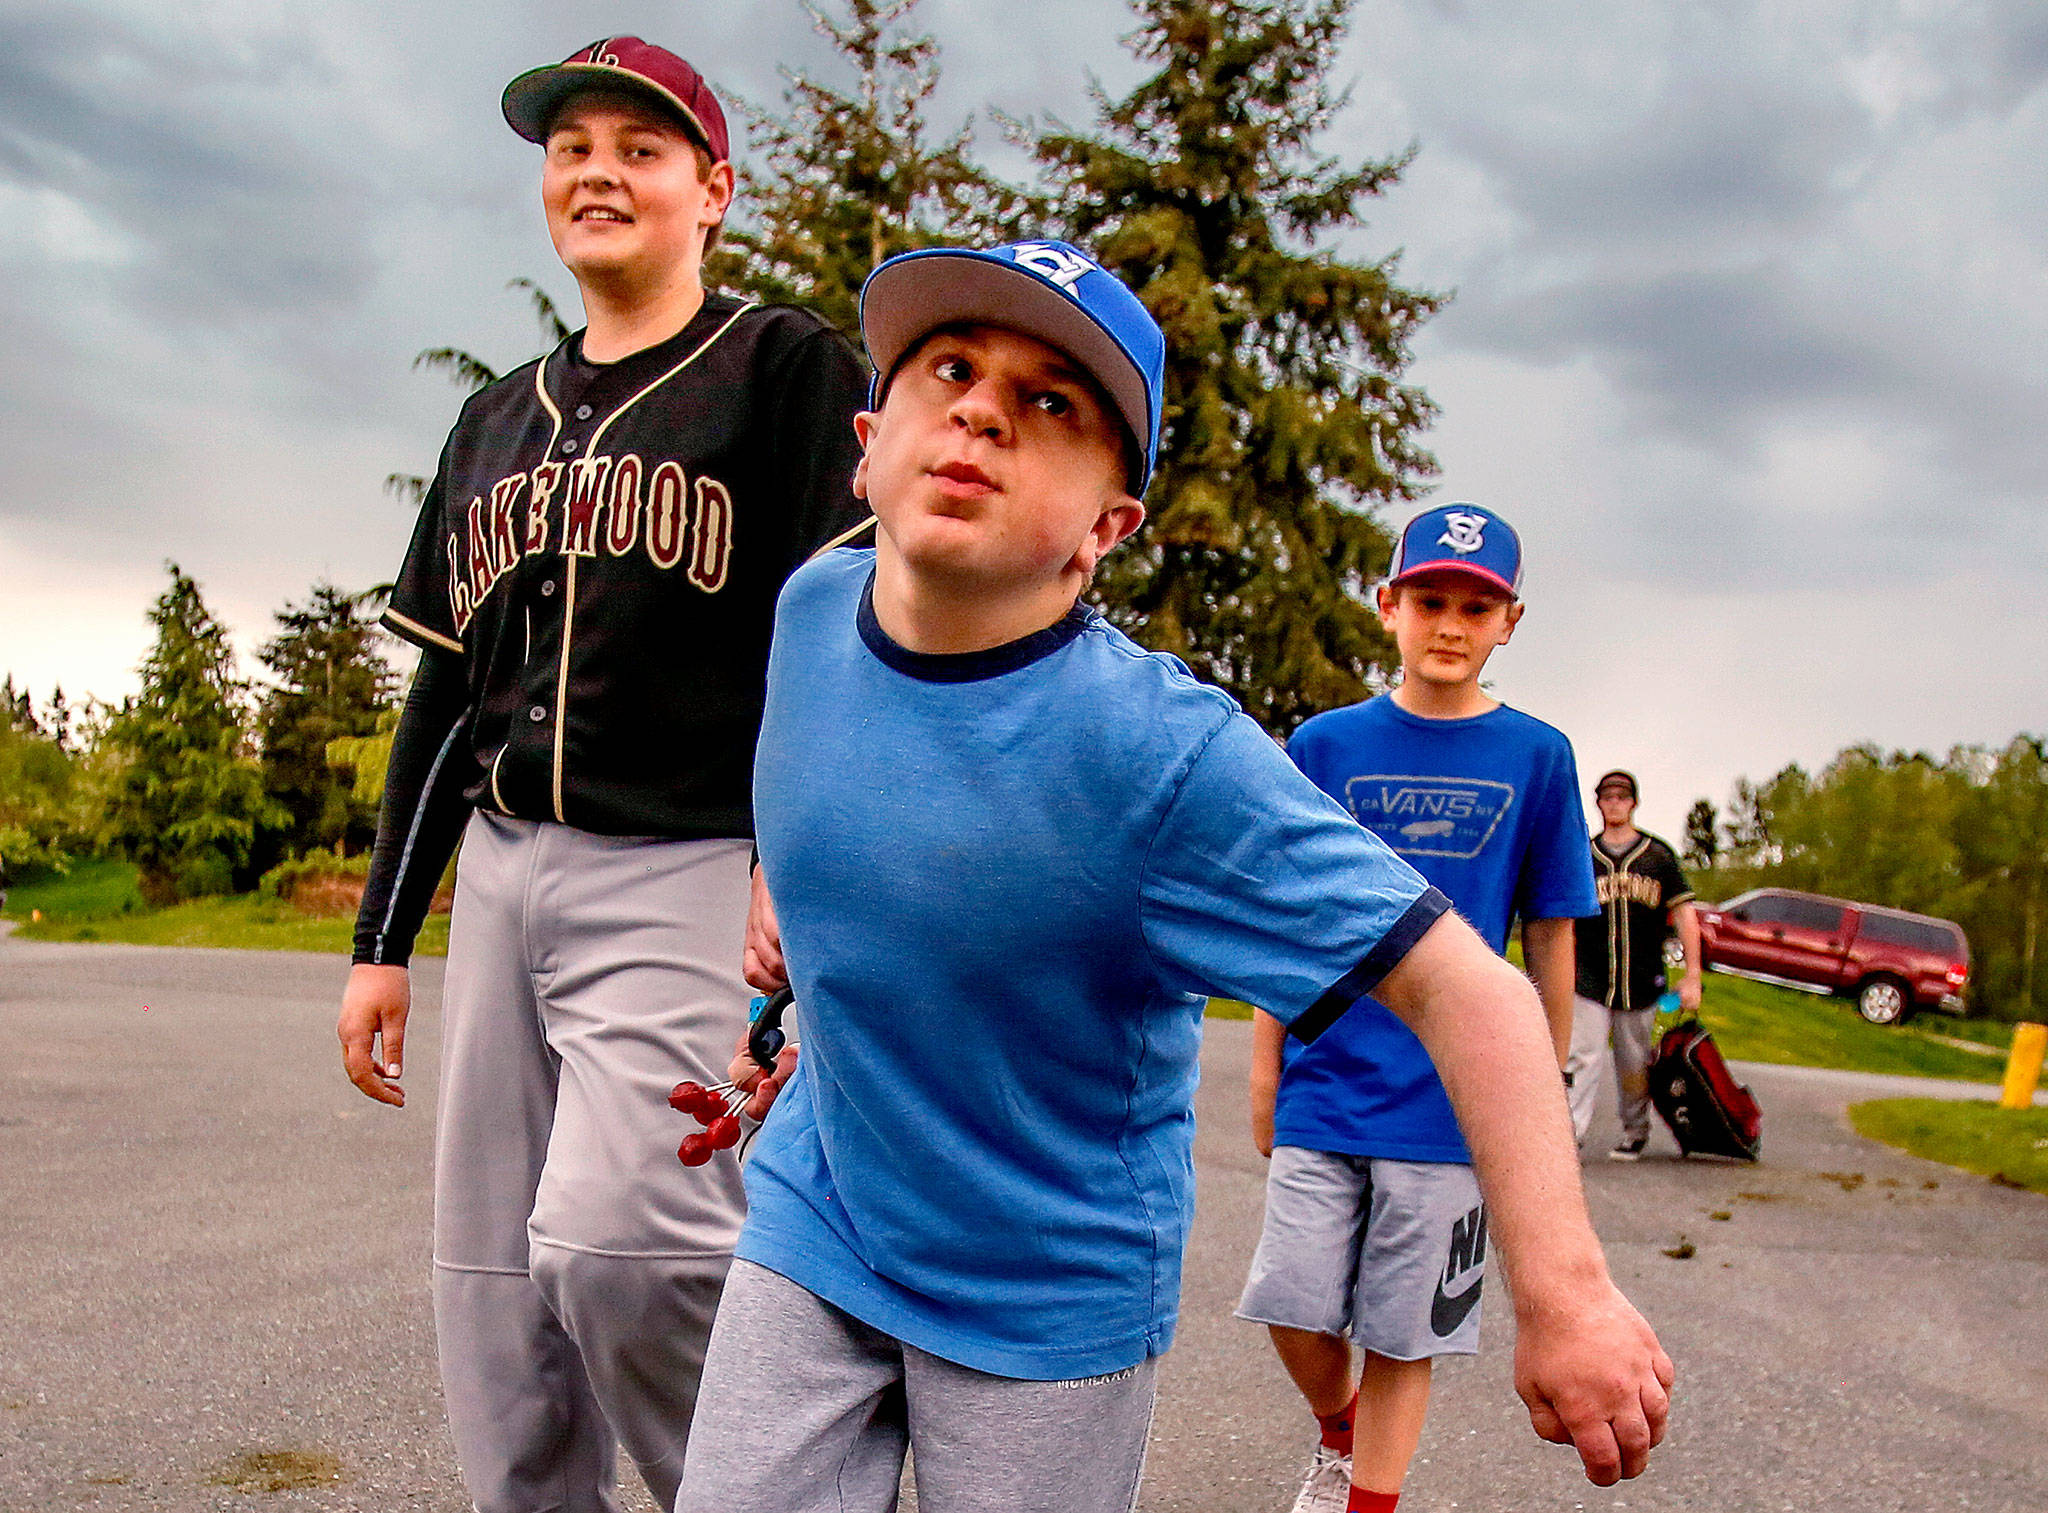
x=1884 y=1000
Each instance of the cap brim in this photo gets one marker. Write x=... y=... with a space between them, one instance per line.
x=1467 y=569
x=532 y=99
x=915 y=294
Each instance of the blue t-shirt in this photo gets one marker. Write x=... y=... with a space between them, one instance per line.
x=1005 y=882
x=1487 y=809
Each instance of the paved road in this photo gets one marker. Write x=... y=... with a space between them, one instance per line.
x=213 y=1245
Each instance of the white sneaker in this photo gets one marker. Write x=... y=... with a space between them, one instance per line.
x=1327 y=1487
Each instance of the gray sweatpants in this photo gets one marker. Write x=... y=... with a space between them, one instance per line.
x=1631 y=1031
x=577 y=1262
x=808 y=1410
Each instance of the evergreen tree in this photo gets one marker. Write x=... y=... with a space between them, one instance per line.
x=37 y=810
x=1286 y=421
x=1702 y=832
x=57 y=719
x=17 y=708
x=185 y=801
x=332 y=682
x=851 y=178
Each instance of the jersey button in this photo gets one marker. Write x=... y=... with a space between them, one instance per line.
x=547 y=589
x=538 y=713
x=583 y=412
x=569 y=445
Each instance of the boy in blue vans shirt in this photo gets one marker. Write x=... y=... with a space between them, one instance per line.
x=1374 y=1225
x=1011 y=852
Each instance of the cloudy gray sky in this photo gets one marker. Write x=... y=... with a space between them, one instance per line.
x=1751 y=302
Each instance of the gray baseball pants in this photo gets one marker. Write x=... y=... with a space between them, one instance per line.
x=577 y=1262
x=808 y=1410
x=1632 y=1032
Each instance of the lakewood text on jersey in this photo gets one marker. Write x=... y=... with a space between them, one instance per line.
x=593 y=503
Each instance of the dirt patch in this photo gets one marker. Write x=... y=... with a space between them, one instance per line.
x=1847 y=1181
x=333 y=897
x=276 y=1471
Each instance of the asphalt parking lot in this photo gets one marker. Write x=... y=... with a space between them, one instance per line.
x=215 y=1247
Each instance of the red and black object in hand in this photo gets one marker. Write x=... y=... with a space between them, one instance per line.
x=717 y=1108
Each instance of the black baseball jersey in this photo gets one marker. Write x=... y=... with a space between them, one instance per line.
x=603 y=545
x=1621 y=949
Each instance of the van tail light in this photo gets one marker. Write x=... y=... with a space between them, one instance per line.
x=1957 y=976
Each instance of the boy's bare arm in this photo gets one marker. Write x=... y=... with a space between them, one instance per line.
x=1685 y=919
x=1550 y=951
x=1268 y=1034
x=1586 y=1364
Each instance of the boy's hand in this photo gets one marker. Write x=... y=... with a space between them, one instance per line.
x=1689 y=995
x=765 y=1087
x=763 y=966
x=374 y=1006
x=1595 y=1378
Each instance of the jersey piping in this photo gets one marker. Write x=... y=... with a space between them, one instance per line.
x=846 y=536
x=569 y=587
x=405 y=622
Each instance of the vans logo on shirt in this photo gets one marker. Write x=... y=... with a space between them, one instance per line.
x=1448 y=1310
x=1428 y=816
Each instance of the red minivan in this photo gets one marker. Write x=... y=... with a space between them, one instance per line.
x=1891 y=962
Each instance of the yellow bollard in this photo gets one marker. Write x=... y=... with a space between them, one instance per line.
x=2023 y=1067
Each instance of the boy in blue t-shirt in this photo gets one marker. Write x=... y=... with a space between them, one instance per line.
x=1011 y=852
x=1374 y=1225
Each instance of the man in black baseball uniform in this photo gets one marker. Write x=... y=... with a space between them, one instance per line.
x=592 y=587
x=1643 y=897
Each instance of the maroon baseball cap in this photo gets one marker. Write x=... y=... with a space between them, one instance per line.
x=625 y=63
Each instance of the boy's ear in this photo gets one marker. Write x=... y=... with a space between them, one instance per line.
x=720 y=182
x=1515 y=608
x=1118 y=519
x=864 y=428
x=1385 y=601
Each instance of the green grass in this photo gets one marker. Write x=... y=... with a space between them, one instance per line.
x=1986 y=1032
x=90 y=890
x=2007 y=1145
x=97 y=901
x=1753 y=1021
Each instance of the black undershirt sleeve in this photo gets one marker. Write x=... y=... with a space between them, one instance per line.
x=423 y=811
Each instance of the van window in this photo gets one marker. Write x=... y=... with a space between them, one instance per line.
x=1914 y=934
x=1766 y=909
x=1812 y=914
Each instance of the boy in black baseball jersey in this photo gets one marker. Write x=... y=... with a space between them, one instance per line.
x=1643 y=896
x=592 y=586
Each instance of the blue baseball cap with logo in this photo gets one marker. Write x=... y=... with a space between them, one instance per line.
x=1049 y=290
x=1461 y=538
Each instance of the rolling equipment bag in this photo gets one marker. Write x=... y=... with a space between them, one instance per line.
x=1709 y=1112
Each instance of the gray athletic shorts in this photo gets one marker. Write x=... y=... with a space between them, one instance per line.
x=805 y=1409
x=1392 y=1253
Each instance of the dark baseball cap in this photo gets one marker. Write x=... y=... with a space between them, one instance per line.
x=630 y=66
x=1461 y=538
x=1617 y=779
x=1049 y=290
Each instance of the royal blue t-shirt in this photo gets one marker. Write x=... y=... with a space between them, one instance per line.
x=1487 y=809
x=1005 y=883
